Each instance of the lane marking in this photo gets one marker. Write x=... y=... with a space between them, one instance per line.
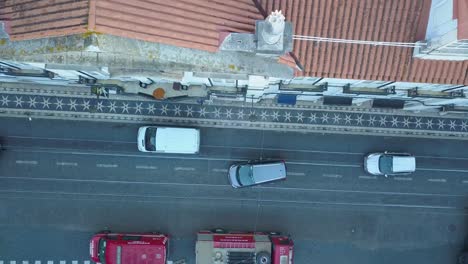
x=28 y=162
x=146 y=167
x=402 y=178
x=366 y=177
x=465 y=182
x=220 y=170
x=437 y=180
x=50 y=262
x=37 y=262
x=87 y=262
x=67 y=163
x=25 y=262
x=443 y=170
x=110 y=197
x=12 y=262
x=240 y=147
x=74 y=261
x=295 y=173
x=331 y=175
x=63 y=262
x=89 y=153
x=99 y=165
x=184 y=169
x=228 y=186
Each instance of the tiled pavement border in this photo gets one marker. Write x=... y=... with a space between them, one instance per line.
x=271 y=117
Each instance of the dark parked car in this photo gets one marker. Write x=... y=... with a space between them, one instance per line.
x=256 y=172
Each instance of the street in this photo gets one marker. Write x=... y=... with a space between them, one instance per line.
x=61 y=181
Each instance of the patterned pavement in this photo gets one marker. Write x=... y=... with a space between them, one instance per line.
x=313 y=118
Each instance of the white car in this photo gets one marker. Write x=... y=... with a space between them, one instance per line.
x=387 y=163
x=168 y=140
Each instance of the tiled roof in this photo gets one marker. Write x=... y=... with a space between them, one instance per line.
x=390 y=21
x=186 y=23
x=30 y=19
x=461 y=13
x=198 y=24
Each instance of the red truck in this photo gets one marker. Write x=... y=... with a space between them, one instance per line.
x=129 y=248
x=220 y=247
x=212 y=247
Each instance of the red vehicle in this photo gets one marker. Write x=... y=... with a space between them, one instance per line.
x=212 y=247
x=129 y=248
x=218 y=247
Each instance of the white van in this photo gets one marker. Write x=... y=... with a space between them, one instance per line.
x=168 y=140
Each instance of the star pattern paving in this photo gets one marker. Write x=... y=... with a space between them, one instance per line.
x=217 y=112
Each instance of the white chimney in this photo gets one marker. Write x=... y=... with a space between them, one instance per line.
x=274 y=27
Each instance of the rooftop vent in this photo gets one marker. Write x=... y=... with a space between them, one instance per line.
x=273 y=37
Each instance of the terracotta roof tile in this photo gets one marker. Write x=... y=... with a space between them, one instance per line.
x=41 y=18
x=461 y=13
x=200 y=23
x=187 y=23
x=379 y=20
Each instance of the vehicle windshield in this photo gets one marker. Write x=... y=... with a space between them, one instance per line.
x=386 y=164
x=245 y=175
x=102 y=250
x=150 y=139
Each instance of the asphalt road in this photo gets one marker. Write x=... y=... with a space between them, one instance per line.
x=60 y=181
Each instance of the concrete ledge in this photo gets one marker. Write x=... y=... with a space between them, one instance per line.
x=129 y=57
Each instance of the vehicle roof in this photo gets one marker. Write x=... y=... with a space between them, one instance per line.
x=172 y=139
x=269 y=171
x=148 y=250
x=404 y=164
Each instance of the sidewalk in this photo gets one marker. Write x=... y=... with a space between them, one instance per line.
x=80 y=104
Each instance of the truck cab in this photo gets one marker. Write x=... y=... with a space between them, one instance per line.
x=124 y=248
x=243 y=247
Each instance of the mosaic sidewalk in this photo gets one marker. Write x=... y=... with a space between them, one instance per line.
x=83 y=106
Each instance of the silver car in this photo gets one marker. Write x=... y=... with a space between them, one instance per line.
x=387 y=163
x=256 y=172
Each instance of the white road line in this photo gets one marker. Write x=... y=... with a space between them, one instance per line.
x=50 y=262
x=37 y=262
x=99 y=165
x=220 y=170
x=89 y=153
x=74 y=261
x=365 y=177
x=402 y=178
x=159 y=198
x=12 y=262
x=146 y=167
x=63 y=262
x=437 y=180
x=24 y=262
x=184 y=169
x=465 y=182
x=28 y=162
x=331 y=175
x=66 y=163
x=87 y=262
x=1 y=261
x=296 y=173
x=442 y=170
x=323 y=164
x=219 y=185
